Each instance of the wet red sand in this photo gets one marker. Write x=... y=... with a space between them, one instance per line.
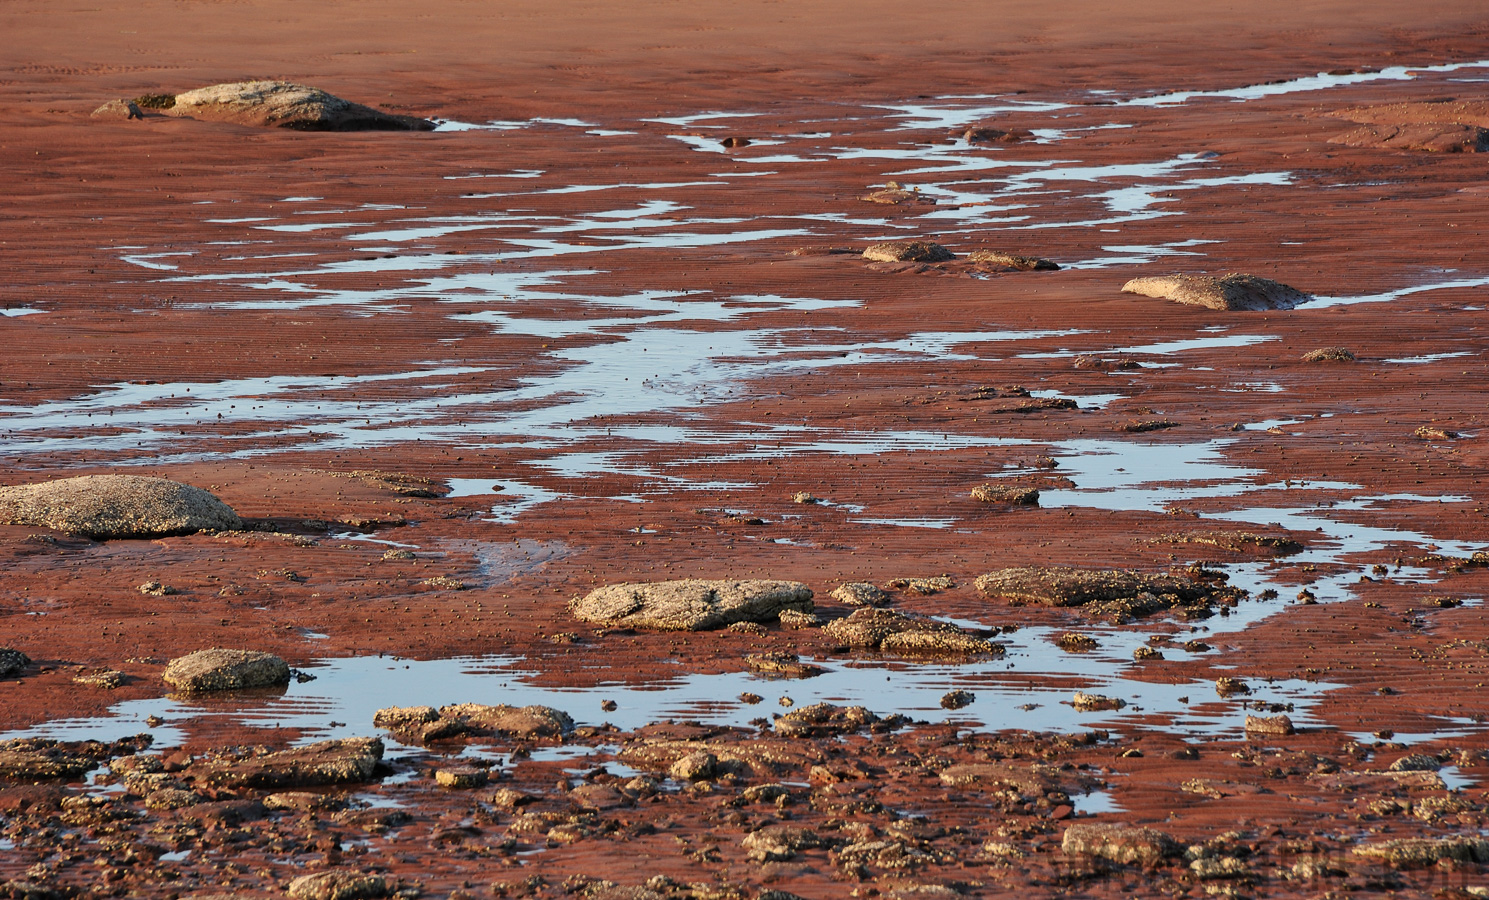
x=1351 y=222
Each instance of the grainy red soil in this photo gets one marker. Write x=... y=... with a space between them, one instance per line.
x=95 y=210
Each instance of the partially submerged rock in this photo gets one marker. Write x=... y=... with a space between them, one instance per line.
x=425 y=723
x=345 y=761
x=12 y=662
x=938 y=645
x=867 y=628
x=1120 y=844
x=691 y=604
x=42 y=759
x=981 y=134
x=783 y=664
x=957 y=699
x=894 y=193
x=1012 y=261
x=908 y=251
x=283 y=104
x=1235 y=291
x=1096 y=702
x=1106 y=593
x=822 y=719
x=220 y=669
x=116 y=506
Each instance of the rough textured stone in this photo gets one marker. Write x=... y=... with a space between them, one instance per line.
x=909 y=251
x=43 y=759
x=1269 y=725
x=1416 y=853
x=338 y=884
x=867 y=628
x=1143 y=846
x=779 y=842
x=345 y=761
x=938 y=644
x=461 y=777
x=1116 y=594
x=1012 y=260
x=116 y=506
x=424 y=723
x=1236 y=541
x=1015 y=494
x=821 y=719
x=1092 y=702
x=12 y=662
x=860 y=593
x=782 y=663
x=1234 y=291
x=697 y=766
x=281 y=104
x=220 y=669
x=1329 y=354
x=691 y=604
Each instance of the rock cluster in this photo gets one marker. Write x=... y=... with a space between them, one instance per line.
x=895 y=632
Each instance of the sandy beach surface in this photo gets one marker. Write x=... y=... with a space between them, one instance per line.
x=611 y=322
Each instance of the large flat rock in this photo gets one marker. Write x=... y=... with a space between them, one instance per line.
x=221 y=669
x=283 y=104
x=1235 y=291
x=116 y=506
x=691 y=604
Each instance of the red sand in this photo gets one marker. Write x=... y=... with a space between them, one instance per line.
x=1350 y=222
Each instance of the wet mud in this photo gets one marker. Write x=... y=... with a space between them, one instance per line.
x=612 y=323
